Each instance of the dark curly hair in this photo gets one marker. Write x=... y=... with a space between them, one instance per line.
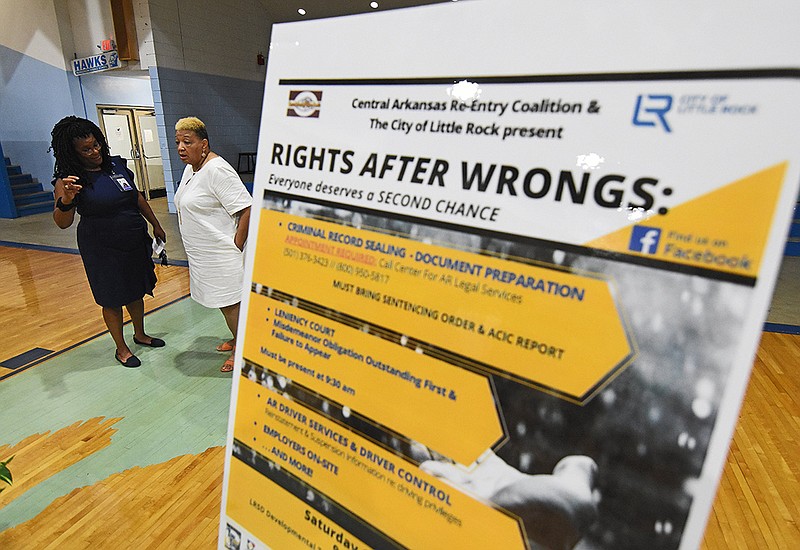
x=64 y=134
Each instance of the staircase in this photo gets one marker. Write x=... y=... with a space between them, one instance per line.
x=26 y=193
x=793 y=244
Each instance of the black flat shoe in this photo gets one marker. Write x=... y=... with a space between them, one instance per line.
x=130 y=362
x=154 y=343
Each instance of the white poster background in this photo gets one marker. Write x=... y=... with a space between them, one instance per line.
x=477 y=38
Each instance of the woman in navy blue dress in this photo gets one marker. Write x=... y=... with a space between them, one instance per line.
x=112 y=233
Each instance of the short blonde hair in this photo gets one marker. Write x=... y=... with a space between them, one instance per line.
x=192 y=124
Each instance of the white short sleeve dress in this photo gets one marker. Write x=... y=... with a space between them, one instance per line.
x=207 y=201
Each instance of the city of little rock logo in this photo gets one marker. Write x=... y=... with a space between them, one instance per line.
x=644 y=239
x=659 y=111
x=304 y=103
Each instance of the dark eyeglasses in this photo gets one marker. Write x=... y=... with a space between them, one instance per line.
x=90 y=149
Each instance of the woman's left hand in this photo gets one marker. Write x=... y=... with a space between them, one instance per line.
x=239 y=245
x=240 y=238
x=158 y=233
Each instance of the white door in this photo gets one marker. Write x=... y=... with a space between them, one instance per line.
x=151 y=152
x=131 y=133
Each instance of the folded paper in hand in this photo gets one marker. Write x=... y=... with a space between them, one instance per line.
x=158 y=247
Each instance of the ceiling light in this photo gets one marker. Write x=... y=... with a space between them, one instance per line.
x=373 y=5
x=301 y=11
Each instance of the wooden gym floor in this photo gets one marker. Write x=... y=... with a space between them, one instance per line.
x=132 y=458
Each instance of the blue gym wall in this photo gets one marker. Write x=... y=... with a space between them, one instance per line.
x=33 y=96
x=230 y=108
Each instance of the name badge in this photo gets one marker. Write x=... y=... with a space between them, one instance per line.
x=121 y=182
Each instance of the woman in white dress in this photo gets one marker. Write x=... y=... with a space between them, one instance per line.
x=213 y=214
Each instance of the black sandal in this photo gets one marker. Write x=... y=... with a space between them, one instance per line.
x=154 y=343
x=130 y=362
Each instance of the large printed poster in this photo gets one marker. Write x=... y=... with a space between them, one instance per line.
x=501 y=305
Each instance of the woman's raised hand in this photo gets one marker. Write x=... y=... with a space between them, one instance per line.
x=71 y=188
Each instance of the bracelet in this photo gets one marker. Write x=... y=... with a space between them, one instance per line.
x=65 y=207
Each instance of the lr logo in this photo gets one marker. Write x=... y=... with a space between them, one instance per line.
x=644 y=239
x=651 y=109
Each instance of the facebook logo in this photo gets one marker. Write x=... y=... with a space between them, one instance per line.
x=644 y=239
x=651 y=109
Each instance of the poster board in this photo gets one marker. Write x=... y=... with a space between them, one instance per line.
x=508 y=267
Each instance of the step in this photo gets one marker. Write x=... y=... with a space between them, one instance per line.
x=32 y=198
x=26 y=188
x=8 y=161
x=13 y=169
x=20 y=178
x=794 y=230
x=792 y=248
x=37 y=208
